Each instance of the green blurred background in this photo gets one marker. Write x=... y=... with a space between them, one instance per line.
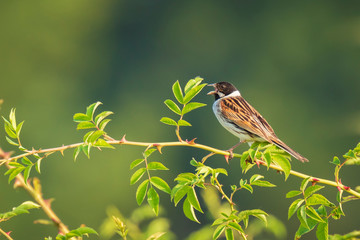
x=298 y=63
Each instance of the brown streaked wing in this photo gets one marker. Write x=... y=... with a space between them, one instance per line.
x=237 y=110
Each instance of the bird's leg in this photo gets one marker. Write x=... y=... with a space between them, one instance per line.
x=230 y=150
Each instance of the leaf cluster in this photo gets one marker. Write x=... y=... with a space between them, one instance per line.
x=21 y=209
x=97 y=135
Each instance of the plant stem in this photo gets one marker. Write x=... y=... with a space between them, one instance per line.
x=36 y=194
x=5 y=234
x=185 y=144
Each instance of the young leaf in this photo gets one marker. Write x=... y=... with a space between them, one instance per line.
x=85 y=125
x=77 y=150
x=91 y=109
x=177 y=92
x=192 y=106
x=153 y=200
x=95 y=136
x=15 y=172
x=311 y=212
x=304 y=184
x=283 y=163
x=193 y=200
x=317 y=199
x=311 y=190
x=180 y=193
x=184 y=123
x=11 y=142
x=37 y=165
x=301 y=214
x=156 y=166
x=168 y=121
x=294 y=207
x=103 y=144
x=172 y=106
x=218 y=231
x=336 y=161
x=148 y=152
x=102 y=116
x=136 y=163
x=141 y=191
x=27 y=173
x=262 y=183
x=292 y=194
x=18 y=128
x=103 y=124
x=303 y=230
x=255 y=177
x=9 y=131
x=267 y=157
x=236 y=227
x=229 y=234
x=160 y=184
x=189 y=212
x=192 y=83
x=322 y=231
x=248 y=187
x=137 y=175
x=192 y=93
x=80 y=117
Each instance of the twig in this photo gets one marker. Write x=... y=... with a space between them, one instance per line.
x=5 y=234
x=123 y=141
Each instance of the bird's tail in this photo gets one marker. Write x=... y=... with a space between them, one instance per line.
x=287 y=149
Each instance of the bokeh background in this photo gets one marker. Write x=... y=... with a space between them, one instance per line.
x=298 y=63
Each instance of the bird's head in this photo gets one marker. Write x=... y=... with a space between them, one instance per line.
x=223 y=89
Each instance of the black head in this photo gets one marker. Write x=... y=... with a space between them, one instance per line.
x=222 y=89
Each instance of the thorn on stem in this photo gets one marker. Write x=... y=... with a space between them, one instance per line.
x=257 y=163
x=227 y=158
x=347 y=188
x=8 y=233
x=123 y=140
x=158 y=146
x=314 y=181
x=191 y=142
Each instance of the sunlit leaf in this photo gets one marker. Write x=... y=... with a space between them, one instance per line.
x=156 y=166
x=178 y=92
x=153 y=200
x=137 y=175
x=293 y=193
x=301 y=214
x=192 y=197
x=192 y=93
x=102 y=116
x=283 y=163
x=172 y=106
x=192 y=106
x=85 y=125
x=189 y=211
x=183 y=123
x=141 y=191
x=80 y=117
x=294 y=207
x=168 y=121
x=160 y=184
x=136 y=162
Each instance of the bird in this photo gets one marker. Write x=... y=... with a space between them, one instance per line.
x=237 y=116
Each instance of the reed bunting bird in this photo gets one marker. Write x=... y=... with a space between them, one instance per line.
x=242 y=120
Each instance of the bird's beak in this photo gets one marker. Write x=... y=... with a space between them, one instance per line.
x=212 y=92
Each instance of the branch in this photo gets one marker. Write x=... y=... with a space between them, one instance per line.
x=160 y=145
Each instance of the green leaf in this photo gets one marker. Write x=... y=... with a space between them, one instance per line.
x=192 y=106
x=102 y=116
x=137 y=175
x=268 y=159
x=192 y=93
x=236 y=226
x=229 y=234
x=283 y=163
x=301 y=214
x=77 y=150
x=218 y=231
x=184 y=123
x=148 y=152
x=18 y=128
x=85 y=125
x=136 y=163
x=26 y=161
x=294 y=207
x=37 y=165
x=292 y=194
x=304 y=184
x=172 y=106
x=177 y=92
x=95 y=136
x=336 y=161
x=141 y=191
x=79 y=232
x=12 y=118
x=189 y=212
x=186 y=177
x=191 y=196
x=311 y=190
x=192 y=83
x=255 y=177
x=262 y=183
x=91 y=109
x=156 y=166
x=15 y=172
x=103 y=124
x=168 y=121
x=23 y=208
x=9 y=131
x=153 y=200
x=248 y=187
x=311 y=212
x=160 y=184
x=27 y=173
x=181 y=193
x=316 y=199
x=11 y=142
x=87 y=136
x=103 y=144
x=80 y=117
x=303 y=230
x=322 y=231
